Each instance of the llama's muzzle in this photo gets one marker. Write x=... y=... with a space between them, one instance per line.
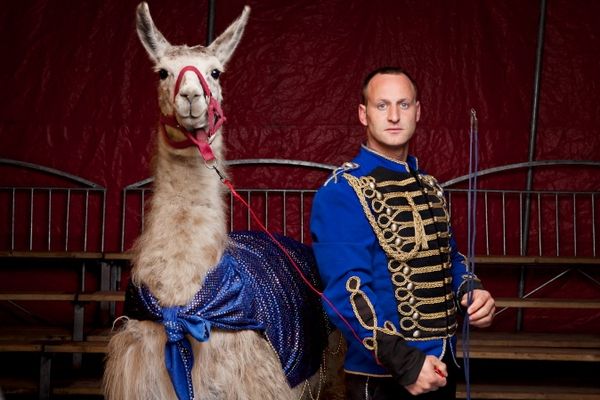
x=200 y=138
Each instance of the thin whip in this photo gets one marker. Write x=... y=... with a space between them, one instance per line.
x=471 y=233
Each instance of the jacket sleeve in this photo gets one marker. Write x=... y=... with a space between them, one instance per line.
x=344 y=244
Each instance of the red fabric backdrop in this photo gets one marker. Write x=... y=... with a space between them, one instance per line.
x=78 y=90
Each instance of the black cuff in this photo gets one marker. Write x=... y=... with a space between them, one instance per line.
x=404 y=362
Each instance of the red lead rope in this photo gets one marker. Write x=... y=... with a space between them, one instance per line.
x=283 y=249
x=201 y=139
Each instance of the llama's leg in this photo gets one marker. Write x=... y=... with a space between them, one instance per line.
x=135 y=364
x=239 y=366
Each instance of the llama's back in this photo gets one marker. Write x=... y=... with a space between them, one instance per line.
x=292 y=315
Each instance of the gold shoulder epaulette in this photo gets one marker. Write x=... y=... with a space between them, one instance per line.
x=345 y=167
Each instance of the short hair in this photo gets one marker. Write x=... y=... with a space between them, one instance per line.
x=386 y=71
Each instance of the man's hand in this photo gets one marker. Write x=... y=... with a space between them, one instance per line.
x=428 y=379
x=481 y=311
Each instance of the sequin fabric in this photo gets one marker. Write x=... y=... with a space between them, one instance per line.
x=254 y=286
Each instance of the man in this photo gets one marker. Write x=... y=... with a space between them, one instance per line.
x=388 y=260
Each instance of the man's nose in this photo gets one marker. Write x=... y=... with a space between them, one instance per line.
x=393 y=114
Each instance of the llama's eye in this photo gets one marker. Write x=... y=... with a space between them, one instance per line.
x=215 y=73
x=163 y=74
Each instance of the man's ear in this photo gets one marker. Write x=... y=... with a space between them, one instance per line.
x=418 y=105
x=362 y=114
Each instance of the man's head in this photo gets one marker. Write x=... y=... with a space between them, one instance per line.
x=390 y=111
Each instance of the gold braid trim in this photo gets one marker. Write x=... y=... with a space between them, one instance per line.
x=388 y=226
x=370 y=343
x=353 y=286
x=418 y=271
x=410 y=324
x=412 y=193
x=360 y=185
x=394 y=183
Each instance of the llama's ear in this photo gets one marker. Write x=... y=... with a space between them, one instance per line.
x=225 y=44
x=154 y=42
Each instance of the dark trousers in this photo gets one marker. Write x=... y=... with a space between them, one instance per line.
x=359 y=387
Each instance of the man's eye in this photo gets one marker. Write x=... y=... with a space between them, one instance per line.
x=404 y=106
x=381 y=107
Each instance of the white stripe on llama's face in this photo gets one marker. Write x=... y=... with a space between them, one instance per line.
x=189 y=106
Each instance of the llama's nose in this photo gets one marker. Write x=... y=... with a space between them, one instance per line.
x=190 y=103
x=190 y=88
x=189 y=96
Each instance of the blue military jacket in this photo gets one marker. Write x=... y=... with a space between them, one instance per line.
x=382 y=239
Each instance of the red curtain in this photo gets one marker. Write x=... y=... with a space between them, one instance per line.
x=78 y=90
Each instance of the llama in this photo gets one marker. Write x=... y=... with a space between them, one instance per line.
x=233 y=354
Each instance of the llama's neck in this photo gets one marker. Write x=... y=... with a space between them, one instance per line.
x=185 y=230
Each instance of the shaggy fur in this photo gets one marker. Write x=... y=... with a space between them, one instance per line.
x=185 y=235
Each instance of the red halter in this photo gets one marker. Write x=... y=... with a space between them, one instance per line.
x=201 y=137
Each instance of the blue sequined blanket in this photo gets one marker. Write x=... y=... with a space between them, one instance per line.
x=254 y=286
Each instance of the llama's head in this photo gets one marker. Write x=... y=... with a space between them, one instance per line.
x=189 y=76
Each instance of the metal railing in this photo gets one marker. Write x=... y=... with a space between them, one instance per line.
x=562 y=223
x=559 y=222
x=59 y=218
x=72 y=217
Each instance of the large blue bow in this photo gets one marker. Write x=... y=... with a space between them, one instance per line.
x=224 y=301
x=179 y=358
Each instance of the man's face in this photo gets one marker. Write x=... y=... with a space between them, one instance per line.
x=390 y=115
